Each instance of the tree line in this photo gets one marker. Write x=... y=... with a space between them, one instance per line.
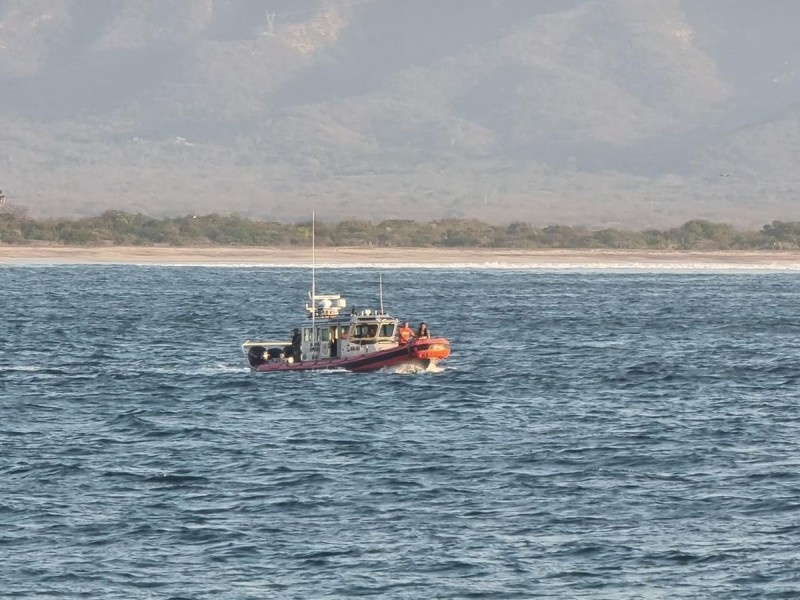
x=120 y=228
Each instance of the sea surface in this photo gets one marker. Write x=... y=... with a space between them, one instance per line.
x=594 y=435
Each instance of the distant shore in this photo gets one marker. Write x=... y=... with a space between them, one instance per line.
x=396 y=257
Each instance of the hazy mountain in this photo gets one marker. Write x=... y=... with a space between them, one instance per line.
x=633 y=112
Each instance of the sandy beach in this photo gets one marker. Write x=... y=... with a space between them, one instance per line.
x=398 y=257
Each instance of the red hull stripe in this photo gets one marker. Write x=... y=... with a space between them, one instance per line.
x=368 y=362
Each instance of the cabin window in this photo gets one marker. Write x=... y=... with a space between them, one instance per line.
x=365 y=330
x=323 y=334
x=307 y=334
x=387 y=330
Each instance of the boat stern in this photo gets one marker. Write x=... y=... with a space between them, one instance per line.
x=261 y=353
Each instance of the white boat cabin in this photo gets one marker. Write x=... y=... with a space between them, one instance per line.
x=331 y=332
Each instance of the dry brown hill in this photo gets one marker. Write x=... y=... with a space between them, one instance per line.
x=603 y=112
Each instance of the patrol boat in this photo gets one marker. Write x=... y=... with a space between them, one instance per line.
x=333 y=337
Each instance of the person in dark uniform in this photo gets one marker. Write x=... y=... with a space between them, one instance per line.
x=297 y=339
x=422 y=332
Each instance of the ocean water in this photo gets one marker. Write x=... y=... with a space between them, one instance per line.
x=594 y=435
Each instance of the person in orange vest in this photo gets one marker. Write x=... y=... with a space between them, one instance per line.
x=405 y=333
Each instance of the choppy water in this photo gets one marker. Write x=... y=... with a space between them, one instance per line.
x=594 y=435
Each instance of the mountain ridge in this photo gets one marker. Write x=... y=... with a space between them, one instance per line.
x=595 y=112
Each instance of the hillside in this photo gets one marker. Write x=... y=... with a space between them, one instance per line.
x=601 y=112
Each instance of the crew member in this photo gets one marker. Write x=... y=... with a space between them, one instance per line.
x=422 y=332
x=405 y=333
x=297 y=339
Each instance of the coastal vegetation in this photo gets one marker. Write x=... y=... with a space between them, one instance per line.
x=118 y=228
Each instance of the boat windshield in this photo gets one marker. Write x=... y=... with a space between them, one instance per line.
x=387 y=330
x=370 y=331
x=365 y=331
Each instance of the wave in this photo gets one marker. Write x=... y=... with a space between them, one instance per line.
x=182 y=370
x=21 y=368
x=410 y=369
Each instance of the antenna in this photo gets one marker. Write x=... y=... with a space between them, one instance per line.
x=313 y=272
x=380 y=279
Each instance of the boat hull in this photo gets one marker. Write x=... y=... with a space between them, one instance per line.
x=421 y=353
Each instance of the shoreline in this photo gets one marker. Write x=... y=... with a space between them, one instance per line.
x=397 y=257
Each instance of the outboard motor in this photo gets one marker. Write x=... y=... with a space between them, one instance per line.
x=275 y=353
x=255 y=356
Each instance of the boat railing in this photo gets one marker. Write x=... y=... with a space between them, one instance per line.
x=250 y=343
x=326 y=305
